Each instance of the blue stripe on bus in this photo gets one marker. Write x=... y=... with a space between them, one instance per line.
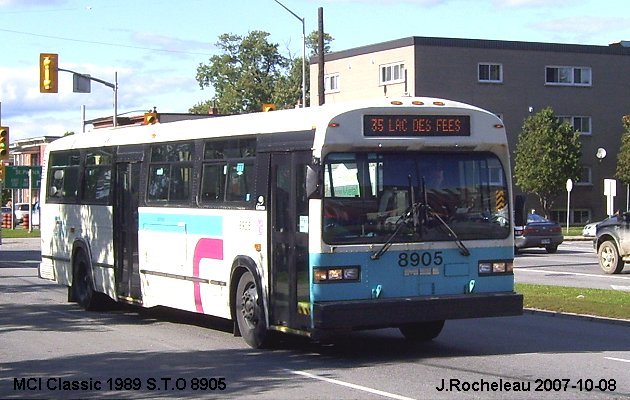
x=206 y=225
x=388 y=279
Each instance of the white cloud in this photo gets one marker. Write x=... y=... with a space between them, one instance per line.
x=582 y=25
x=531 y=3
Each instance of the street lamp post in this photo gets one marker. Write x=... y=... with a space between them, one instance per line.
x=303 y=51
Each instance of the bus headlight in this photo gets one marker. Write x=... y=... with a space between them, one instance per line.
x=495 y=267
x=337 y=274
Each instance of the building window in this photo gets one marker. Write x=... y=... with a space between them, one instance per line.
x=490 y=72
x=585 y=176
x=579 y=123
x=570 y=76
x=331 y=83
x=392 y=73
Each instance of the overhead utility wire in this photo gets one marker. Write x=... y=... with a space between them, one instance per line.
x=104 y=43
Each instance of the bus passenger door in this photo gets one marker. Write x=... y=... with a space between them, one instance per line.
x=290 y=290
x=127 y=183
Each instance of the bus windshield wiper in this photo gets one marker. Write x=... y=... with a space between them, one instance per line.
x=463 y=250
x=400 y=222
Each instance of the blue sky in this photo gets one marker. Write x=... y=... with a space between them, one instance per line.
x=155 y=46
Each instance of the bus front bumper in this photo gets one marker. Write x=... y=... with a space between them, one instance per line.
x=381 y=313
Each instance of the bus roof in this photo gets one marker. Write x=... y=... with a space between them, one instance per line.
x=294 y=120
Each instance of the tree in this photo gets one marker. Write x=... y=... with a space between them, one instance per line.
x=244 y=75
x=623 y=157
x=548 y=153
x=251 y=71
x=312 y=43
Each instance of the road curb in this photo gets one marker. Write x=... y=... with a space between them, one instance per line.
x=595 y=318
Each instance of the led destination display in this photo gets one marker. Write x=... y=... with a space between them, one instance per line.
x=416 y=125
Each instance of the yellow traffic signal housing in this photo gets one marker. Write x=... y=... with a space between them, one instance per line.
x=4 y=143
x=48 y=73
x=268 y=107
x=151 y=118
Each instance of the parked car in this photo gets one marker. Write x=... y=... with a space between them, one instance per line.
x=590 y=230
x=611 y=243
x=538 y=232
x=21 y=210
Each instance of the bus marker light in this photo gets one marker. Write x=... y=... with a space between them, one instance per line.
x=351 y=274
x=417 y=103
x=509 y=266
x=333 y=125
x=396 y=103
x=335 y=274
x=258 y=247
x=485 y=268
x=321 y=275
x=438 y=103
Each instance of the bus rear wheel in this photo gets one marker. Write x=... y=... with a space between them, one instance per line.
x=250 y=313
x=422 y=331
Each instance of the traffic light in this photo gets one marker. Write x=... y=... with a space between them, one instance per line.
x=4 y=143
x=48 y=72
x=150 y=118
x=268 y=107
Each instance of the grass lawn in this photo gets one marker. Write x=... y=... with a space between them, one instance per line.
x=599 y=302
x=19 y=233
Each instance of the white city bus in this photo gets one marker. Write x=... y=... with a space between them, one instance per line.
x=389 y=213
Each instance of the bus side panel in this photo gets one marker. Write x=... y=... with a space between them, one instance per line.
x=186 y=258
x=68 y=224
x=54 y=244
x=97 y=232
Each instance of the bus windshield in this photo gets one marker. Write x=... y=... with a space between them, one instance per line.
x=368 y=196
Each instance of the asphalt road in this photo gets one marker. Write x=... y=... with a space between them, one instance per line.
x=52 y=349
x=575 y=264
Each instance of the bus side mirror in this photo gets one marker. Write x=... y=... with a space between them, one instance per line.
x=313 y=181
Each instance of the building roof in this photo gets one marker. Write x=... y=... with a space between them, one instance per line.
x=620 y=48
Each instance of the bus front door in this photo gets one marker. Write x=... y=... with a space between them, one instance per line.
x=290 y=292
x=127 y=183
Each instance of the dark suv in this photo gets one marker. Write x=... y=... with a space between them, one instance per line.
x=612 y=243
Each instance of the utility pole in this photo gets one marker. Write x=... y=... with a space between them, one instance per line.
x=320 y=63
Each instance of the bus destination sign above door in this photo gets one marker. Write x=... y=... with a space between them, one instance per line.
x=416 y=125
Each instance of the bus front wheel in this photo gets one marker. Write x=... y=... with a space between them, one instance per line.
x=83 y=286
x=250 y=313
x=422 y=331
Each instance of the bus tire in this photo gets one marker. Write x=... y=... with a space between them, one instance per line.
x=609 y=260
x=83 y=285
x=250 y=313
x=422 y=331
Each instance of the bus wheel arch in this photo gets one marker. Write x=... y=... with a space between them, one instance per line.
x=246 y=304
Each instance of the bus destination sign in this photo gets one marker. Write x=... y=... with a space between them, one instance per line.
x=416 y=125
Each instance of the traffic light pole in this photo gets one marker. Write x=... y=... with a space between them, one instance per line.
x=114 y=86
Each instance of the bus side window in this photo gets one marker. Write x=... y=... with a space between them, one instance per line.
x=212 y=183
x=158 y=183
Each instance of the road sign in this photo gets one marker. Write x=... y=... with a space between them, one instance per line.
x=16 y=177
